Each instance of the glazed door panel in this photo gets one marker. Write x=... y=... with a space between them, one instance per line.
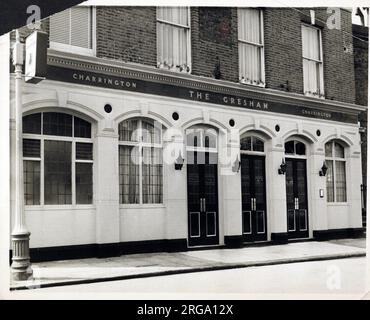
x=296 y=197
x=253 y=183
x=202 y=200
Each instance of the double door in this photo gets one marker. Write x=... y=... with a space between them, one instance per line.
x=296 y=197
x=253 y=182
x=202 y=199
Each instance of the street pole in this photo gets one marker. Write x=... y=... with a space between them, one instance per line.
x=21 y=266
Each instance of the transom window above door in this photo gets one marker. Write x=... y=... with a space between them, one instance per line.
x=201 y=137
x=173 y=38
x=252 y=143
x=295 y=147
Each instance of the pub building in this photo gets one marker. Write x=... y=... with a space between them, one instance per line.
x=172 y=128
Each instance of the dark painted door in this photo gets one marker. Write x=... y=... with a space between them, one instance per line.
x=296 y=197
x=202 y=198
x=253 y=181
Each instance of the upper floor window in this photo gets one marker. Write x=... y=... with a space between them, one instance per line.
x=336 y=174
x=313 y=78
x=251 y=48
x=57 y=159
x=72 y=30
x=140 y=161
x=173 y=38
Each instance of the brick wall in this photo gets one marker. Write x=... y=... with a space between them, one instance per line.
x=127 y=33
x=283 y=50
x=339 y=75
x=209 y=49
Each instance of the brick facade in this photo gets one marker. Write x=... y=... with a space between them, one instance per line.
x=129 y=34
x=207 y=51
x=283 y=50
x=339 y=75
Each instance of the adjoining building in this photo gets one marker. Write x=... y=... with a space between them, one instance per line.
x=176 y=128
x=361 y=57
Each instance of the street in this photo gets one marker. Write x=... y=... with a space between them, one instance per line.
x=331 y=279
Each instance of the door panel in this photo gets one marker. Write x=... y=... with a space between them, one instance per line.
x=202 y=199
x=194 y=224
x=253 y=183
x=296 y=197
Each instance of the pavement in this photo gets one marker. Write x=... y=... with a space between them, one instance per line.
x=69 y=272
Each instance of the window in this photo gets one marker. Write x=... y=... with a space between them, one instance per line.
x=295 y=147
x=72 y=30
x=336 y=174
x=57 y=159
x=201 y=145
x=251 y=143
x=251 y=50
x=313 y=78
x=202 y=138
x=140 y=161
x=173 y=38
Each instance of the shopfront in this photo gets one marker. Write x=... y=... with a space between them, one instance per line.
x=139 y=161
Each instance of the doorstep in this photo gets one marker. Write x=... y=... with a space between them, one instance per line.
x=83 y=271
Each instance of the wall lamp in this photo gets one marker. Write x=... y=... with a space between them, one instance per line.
x=236 y=165
x=323 y=170
x=179 y=162
x=282 y=168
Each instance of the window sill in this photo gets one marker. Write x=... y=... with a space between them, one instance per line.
x=314 y=96
x=173 y=69
x=58 y=207
x=71 y=49
x=244 y=82
x=337 y=204
x=142 y=206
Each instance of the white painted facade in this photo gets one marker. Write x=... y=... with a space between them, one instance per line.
x=107 y=221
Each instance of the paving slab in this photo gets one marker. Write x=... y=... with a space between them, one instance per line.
x=67 y=272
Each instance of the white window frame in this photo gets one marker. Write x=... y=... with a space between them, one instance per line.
x=321 y=94
x=262 y=49
x=188 y=42
x=75 y=49
x=140 y=144
x=253 y=152
x=42 y=137
x=201 y=148
x=333 y=158
x=295 y=155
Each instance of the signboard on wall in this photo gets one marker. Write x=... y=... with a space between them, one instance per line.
x=181 y=91
x=36 y=55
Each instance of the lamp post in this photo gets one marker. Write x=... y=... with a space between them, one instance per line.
x=21 y=266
